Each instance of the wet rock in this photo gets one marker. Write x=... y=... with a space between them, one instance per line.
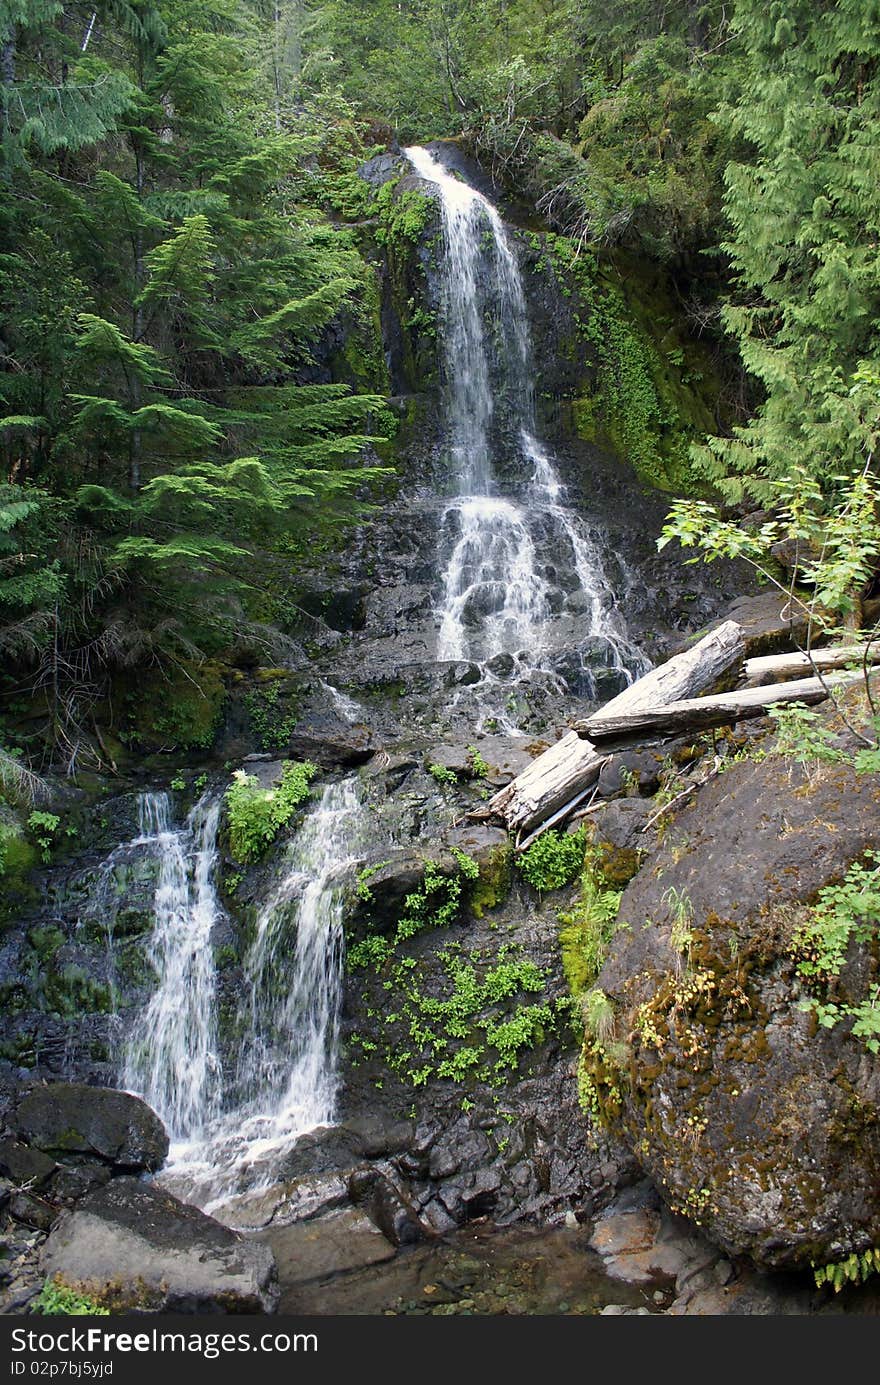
x=330 y=743
x=32 y=1211
x=621 y=824
x=386 y=1206
x=459 y=1146
x=755 y=1121
x=133 y=1246
x=380 y=902
x=462 y=675
x=384 y=168
x=480 y=842
x=771 y=625
x=640 y=1241
x=631 y=770
x=341 y=1240
x=285 y=1203
x=65 y=1119
x=504 y=757
x=322 y=1151
x=23 y=1165
x=379 y=1135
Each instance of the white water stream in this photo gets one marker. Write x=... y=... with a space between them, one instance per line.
x=229 y=1137
x=230 y=1130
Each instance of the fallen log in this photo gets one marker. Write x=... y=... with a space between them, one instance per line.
x=559 y=777
x=683 y=676
x=700 y=713
x=551 y=781
x=774 y=668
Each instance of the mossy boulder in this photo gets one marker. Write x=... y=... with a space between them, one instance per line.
x=65 y=1119
x=759 y=1124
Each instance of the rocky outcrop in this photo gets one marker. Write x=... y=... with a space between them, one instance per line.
x=132 y=1246
x=759 y=1124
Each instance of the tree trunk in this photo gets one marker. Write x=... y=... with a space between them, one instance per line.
x=549 y=782
x=698 y=713
x=775 y=667
x=683 y=676
x=560 y=775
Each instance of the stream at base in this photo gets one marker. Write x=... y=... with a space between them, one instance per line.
x=480 y=1270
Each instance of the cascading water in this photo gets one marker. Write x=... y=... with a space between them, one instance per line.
x=170 y=1057
x=287 y=1077
x=498 y=597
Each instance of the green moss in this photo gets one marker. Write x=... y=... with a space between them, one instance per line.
x=179 y=709
x=71 y=992
x=494 y=880
x=655 y=386
x=45 y=941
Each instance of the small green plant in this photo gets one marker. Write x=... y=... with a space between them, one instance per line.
x=554 y=860
x=843 y=914
x=178 y=783
x=802 y=736
x=43 y=826
x=255 y=815
x=479 y=766
x=58 y=1297
x=587 y=928
x=362 y=883
x=680 y=937
x=442 y=774
x=598 y=1014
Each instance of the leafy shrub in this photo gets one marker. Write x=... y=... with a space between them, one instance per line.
x=255 y=815
x=554 y=859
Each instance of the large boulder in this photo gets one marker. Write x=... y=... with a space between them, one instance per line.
x=132 y=1246
x=67 y=1119
x=759 y=1124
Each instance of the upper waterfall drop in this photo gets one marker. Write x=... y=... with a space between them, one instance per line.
x=501 y=553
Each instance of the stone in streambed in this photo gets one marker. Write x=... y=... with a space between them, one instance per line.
x=341 y=1240
x=504 y=756
x=132 y=1245
x=286 y=1203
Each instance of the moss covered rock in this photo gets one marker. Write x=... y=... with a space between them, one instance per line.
x=759 y=1123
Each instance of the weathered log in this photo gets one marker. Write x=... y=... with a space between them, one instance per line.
x=559 y=776
x=698 y=713
x=682 y=676
x=548 y=783
x=774 y=668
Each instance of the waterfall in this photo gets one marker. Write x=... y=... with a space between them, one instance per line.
x=287 y=1076
x=498 y=596
x=170 y=1057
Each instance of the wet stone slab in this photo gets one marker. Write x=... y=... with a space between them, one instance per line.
x=312 y=1250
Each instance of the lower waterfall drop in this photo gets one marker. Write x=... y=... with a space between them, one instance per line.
x=287 y=1077
x=170 y=1057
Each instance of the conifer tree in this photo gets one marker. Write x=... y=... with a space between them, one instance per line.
x=804 y=209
